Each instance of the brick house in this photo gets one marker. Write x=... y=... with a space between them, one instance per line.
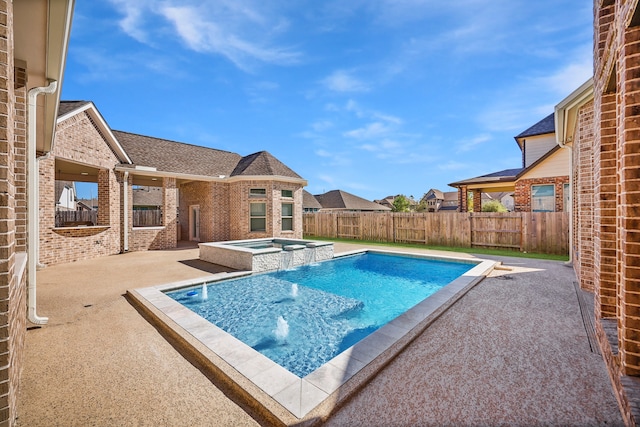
x=205 y=194
x=35 y=36
x=606 y=218
x=541 y=184
x=439 y=201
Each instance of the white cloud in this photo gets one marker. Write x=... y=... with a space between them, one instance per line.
x=344 y=81
x=372 y=130
x=208 y=36
x=470 y=144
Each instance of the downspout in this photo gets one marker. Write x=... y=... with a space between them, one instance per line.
x=126 y=212
x=563 y=144
x=33 y=211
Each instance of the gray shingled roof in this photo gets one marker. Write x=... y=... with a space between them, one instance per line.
x=338 y=199
x=503 y=175
x=176 y=157
x=310 y=202
x=546 y=125
x=147 y=196
x=262 y=163
x=68 y=106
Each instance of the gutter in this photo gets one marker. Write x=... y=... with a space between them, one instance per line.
x=33 y=211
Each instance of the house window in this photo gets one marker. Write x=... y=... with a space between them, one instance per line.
x=567 y=197
x=257 y=192
x=543 y=198
x=258 y=216
x=287 y=217
x=287 y=194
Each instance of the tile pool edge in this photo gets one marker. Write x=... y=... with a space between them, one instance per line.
x=270 y=390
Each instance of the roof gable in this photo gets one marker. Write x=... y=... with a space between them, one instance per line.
x=546 y=125
x=262 y=163
x=68 y=109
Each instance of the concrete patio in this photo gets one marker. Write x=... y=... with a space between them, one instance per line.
x=513 y=351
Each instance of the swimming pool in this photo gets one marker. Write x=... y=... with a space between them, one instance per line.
x=272 y=392
x=304 y=317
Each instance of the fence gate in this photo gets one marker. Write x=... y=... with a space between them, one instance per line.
x=490 y=230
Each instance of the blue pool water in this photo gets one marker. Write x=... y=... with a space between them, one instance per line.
x=325 y=308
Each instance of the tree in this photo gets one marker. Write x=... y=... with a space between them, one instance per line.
x=400 y=204
x=493 y=206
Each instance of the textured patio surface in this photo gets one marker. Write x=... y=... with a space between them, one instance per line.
x=513 y=351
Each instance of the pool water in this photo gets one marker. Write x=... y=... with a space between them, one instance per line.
x=324 y=308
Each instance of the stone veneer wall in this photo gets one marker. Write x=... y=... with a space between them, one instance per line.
x=78 y=140
x=12 y=208
x=522 y=195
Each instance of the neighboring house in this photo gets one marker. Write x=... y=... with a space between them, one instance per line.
x=389 y=202
x=206 y=194
x=65 y=196
x=540 y=185
x=504 y=197
x=439 y=201
x=338 y=200
x=35 y=37
x=309 y=202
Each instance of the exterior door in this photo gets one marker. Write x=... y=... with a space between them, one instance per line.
x=194 y=222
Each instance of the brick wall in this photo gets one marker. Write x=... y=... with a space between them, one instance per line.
x=239 y=201
x=616 y=202
x=20 y=159
x=78 y=140
x=522 y=194
x=213 y=201
x=583 y=256
x=12 y=194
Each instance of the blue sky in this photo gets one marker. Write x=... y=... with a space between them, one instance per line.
x=372 y=97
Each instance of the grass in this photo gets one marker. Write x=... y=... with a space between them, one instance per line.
x=474 y=251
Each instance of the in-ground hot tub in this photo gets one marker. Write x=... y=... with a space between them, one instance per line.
x=265 y=254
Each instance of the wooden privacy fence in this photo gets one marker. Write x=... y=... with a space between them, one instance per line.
x=76 y=218
x=539 y=232
x=147 y=217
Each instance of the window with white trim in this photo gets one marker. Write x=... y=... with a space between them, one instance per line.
x=257 y=192
x=287 y=217
x=287 y=194
x=543 y=198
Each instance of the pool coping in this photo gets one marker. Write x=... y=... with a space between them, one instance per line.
x=273 y=392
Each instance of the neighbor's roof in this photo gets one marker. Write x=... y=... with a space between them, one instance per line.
x=309 y=201
x=435 y=194
x=503 y=175
x=546 y=125
x=451 y=195
x=147 y=196
x=338 y=199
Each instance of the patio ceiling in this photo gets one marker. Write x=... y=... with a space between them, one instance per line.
x=77 y=172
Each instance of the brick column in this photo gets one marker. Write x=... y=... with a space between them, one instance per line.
x=477 y=200
x=169 y=212
x=104 y=209
x=462 y=198
x=20 y=149
x=628 y=209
